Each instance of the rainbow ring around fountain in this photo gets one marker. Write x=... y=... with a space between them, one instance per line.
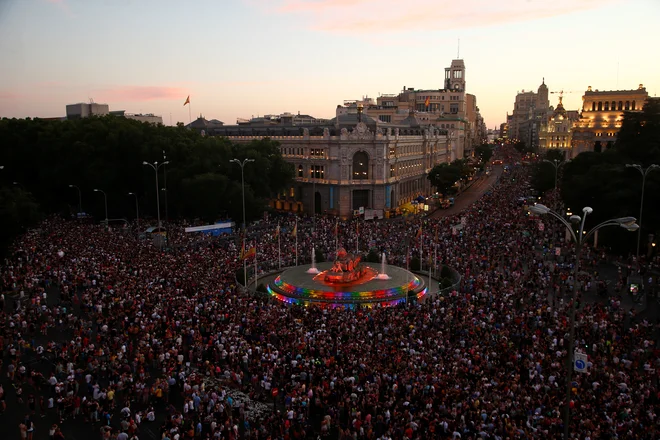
x=297 y=286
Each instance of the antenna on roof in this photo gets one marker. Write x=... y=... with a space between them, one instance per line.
x=458 y=52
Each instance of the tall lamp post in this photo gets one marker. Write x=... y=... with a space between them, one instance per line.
x=79 y=197
x=579 y=238
x=644 y=172
x=555 y=163
x=242 y=165
x=137 y=210
x=105 y=197
x=155 y=167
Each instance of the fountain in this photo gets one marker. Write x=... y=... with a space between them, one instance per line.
x=346 y=282
x=382 y=275
x=313 y=269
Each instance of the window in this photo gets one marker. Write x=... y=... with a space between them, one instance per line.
x=458 y=74
x=593 y=106
x=385 y=118
x=292 y=192
x=392 y=171
x=600 y=106
x=620 y=105
x=300 y=170
x=360 y=166
x=633 y=105
x=607 y=106
x=453 y=108
x=627 y=105
x=613 y=105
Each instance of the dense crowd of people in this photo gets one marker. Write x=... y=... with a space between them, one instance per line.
x=103 y=328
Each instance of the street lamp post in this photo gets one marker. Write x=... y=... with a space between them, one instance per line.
x=137 y=210
x=155 y=167
x=644 y=172
x=79 y=197
x=242 y=165
x=555 y=163
x=579 y=239
x=105 y=197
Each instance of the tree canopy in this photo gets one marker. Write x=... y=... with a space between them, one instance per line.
x=445 y=175
x=602 y=181
x=45 y=157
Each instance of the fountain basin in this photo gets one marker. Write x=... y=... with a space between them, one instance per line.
x=295 y=286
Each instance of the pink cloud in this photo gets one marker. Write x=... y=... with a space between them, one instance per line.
x=140 y=93
x=9 y=95
x=394 y=16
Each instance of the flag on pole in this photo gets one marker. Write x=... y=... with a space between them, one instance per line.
x=252 y=252
x=187 y=101
x=427 y=102
x=277 y=232
x=242 y=253
x=419 y=233
x=295 y=230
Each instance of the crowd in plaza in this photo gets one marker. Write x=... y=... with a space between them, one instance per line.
x=103 y=328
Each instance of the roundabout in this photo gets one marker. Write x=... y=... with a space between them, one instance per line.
x=347 y=283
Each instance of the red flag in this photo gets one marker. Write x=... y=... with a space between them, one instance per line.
x=187 y=101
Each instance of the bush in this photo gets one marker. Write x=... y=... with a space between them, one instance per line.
x=372 y=256
x=415 y=264
x=445 y=272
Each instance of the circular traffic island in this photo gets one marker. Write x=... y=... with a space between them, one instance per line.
x=347 y=283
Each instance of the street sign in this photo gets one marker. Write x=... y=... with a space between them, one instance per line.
x=580 y=362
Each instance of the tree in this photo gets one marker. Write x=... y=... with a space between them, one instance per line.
x=107 y=153
x=601 y=180
x=445 y=176
x=485 y=152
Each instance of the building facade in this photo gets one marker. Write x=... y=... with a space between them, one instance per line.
x=530 y=111
x=602 y=113
x=557 y=131
x=448 y=108
x=85 y=110
x=353 y=162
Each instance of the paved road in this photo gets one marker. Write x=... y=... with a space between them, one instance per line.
x=472 y=194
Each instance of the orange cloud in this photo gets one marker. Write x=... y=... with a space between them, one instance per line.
x=140 y=93
x=393 y=16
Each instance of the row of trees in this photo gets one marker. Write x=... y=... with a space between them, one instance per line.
x=445 y=176
x=602 y=180
x=41 y=158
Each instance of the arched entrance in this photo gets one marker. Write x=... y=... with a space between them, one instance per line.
x=598 y=147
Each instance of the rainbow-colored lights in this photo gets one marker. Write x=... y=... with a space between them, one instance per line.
x=291 y=294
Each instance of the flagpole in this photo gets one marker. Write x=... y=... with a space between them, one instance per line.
x=357 y=236
x=189 y=113
x=336 y=237
x=296 y=229
x=279 y=248
x=421 y=245
x=256 y=275
x=435 y=256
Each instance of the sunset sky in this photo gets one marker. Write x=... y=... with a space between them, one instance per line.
x=243 y=58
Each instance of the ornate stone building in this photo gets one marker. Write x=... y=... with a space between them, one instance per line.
x=556 y=132
x=600 y=121
x=530 y=111
x=353 y=161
